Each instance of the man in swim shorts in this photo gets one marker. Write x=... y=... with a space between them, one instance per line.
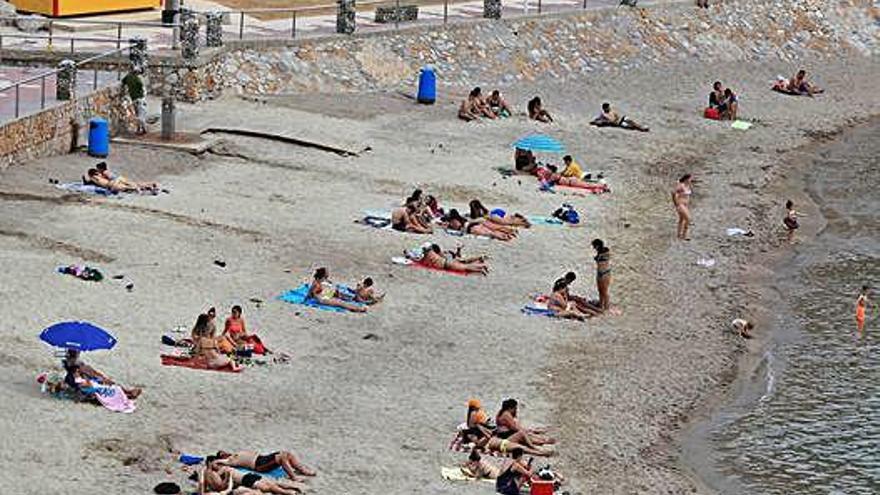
x=265 y=463
x=218 y=478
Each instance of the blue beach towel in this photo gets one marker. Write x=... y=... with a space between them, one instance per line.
x=192 y=460
x=539 y=220
x=536 y=311
x=300 y=296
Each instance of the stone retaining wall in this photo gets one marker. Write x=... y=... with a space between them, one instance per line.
x=573 y=44
x=55 y=130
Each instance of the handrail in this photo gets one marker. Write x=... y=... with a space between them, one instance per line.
x=53 y=37
x=88 y=21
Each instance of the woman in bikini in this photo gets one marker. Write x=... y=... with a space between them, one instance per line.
x=537 y=112
x=549 y=175
x=506 y=446
x=560 y=304
x=681 y=197
x=265 y=463
x=235 y=334
x=513 y=474
x=323 y=291
x=433 y=256
x=119 y=184
x=861 y=307
x=603 y=273
x=477 y=422
x=405 y=219
x=205 y=345
x=581 y=303
x=455 y=222
x=477 y=210
x=507 y=427
x=498 y=104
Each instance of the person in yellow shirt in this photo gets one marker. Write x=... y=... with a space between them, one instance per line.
x=572 y=169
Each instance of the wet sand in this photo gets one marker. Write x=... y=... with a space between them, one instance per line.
x=376 y=415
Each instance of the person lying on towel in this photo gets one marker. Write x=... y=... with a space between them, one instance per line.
x=453 y=221
x=79 y=375
x=323 y=291
x=118 y=183
x=550 y=177
x=497 y=216
x=216 y=478
x=610 y=118
x=800 y=85
x=432 y=256
x=254 y=461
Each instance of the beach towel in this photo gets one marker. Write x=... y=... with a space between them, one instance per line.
x=741 y=125
x=538 y=307
x=456 y=474
x=81 y=272
x=300 y=296
x=457 y=444
x=112 y=397
x=540 y=220
x=400 y=260
x=79 y=187
x=196 y=363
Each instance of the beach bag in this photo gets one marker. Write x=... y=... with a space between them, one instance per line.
x=567 y=214
x=712 y=113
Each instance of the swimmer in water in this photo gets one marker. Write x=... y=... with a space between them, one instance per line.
x=861 y=306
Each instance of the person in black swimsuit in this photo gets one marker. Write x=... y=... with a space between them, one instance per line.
x=603 y=273
x=513 y=475
x=265 y=463
x=217 y=477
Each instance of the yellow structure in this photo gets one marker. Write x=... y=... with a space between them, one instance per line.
x=64 y=8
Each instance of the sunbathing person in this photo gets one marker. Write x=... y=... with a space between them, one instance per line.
x=323 y=291
x=498 y=104
x=216 y=478
x=524 y=161
x=479 y=468
x=731 y=103
x=205 y=345
x=716 y=97
x=537 y=112
x=583 y=304
x=119 y=184
x=406 y=219
x=560 y=305
x=265 y=463
x=610 y=118
x=453 y=221
x=79 y=375
x=235 y=333
x=480 y=104
x=365 y=293
x=495 y=444
x=514 y=474
x=496 y=216
x=799 y=85
x=507 y=427
x=549 y=177
x=477 y=422
x=433 y=256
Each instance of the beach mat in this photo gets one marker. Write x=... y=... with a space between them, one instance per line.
x=300 y=296
x=80 y=188
x=193 y=363
x=541 y=220
x=456 y=474
x=192 y=460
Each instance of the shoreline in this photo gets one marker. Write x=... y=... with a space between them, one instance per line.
x=747 y=386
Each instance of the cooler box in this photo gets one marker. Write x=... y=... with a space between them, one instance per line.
x=427 y=85
x=99 y=137
x=542 y=487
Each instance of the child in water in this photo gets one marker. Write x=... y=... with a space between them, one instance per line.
x=861 y=306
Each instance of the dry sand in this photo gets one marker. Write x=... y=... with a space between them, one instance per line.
x=375 y=416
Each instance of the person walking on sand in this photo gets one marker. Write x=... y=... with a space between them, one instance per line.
x=790 y=220
x=603 y=273
x=134 y=85
x=681 y=197
x=861 y=307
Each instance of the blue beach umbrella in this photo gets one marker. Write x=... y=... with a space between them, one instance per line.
x=540 y=143
x=78 y=335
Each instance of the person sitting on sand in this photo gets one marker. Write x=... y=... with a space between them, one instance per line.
x=477 y=422
x=119 y=184
x=731 y=103
x=560 y=304
x=742 y=327
x=474 y=107
x=216 y=478
x=405 y=219
x=433 y=256
x=365 y=293
x=524 y=161
x=514 y=474
x=235 y=333
x=254 y=461
x=716 y=97
x=478 y=468
x=453 y=221
x=571 y=168
x=497 y=216
x=480 y=103
x=609 y=117
x=205 y=345
x=498 y=104
x=507 y=427
x=799 y=85
x=582 y=304
x=79 y=375
x=323 y=291
x=537 y=112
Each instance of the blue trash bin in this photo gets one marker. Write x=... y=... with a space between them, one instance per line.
x=427 y=86
x=99 y=137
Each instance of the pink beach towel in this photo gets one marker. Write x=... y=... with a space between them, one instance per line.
x=114 y=399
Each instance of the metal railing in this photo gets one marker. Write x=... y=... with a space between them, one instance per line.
x=67 y=42
x=123 y=29
x=43 y=76
x=431 y=11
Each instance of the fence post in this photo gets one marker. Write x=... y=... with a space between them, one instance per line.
x=189 y=36
x=585 y=4
x=539 y=6
x=396 y=14
x=293 y=24
x=213 y=29
x=16 y=100
x=65 y=80
x=71 y=46
x=241 y=25
x=119 y=36
x=492 y=9
x=42 y=92
x=345 y=17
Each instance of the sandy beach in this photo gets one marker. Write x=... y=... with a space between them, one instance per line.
x=376 y=415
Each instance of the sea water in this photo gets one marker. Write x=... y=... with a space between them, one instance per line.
x=811 y=423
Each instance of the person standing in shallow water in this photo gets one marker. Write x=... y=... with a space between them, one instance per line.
x=681 y=198
x=603 y=273
x=861 y=308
